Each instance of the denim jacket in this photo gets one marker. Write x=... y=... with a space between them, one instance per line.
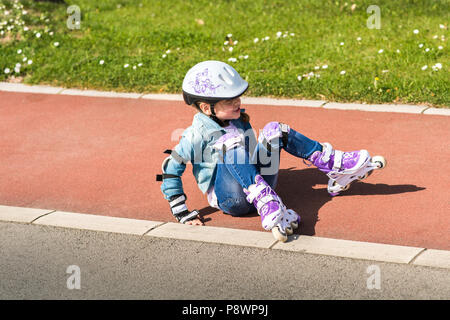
x=196 y=146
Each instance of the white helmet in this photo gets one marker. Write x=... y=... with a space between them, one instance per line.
x=212 y=81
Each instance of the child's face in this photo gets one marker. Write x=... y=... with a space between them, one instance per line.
x=226 y=109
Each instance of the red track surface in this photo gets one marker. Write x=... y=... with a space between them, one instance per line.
x=101 y=155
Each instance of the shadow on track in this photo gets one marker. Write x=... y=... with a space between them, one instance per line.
x=297 y=189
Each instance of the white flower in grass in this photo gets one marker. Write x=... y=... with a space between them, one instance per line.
x=279 y=33
x=134 y=67
x=440 y=47
x=266 y=38
x=38 y=35
x=438 y=65
x=19 y=51
x=232 y=59
x=398 y=51
x=341 y=43
x=126 y=65
x=230 y=49
x=316 y=68
x=358 y=39
x=342 y=72
x=56 y=44
x=325 y=66
x=385 y=71
x=255 y=40
x=17 y=69
x=168 y=51
x=424 y=67
x=229 y=35
x=380 y=51
x=30 y=61
x=427 y=49
x=435 y=36
x=140 y=64
x=292 y=34
x=7 y=70
x=225 y=43
x=441 y=26
x=299 y=78
x=24 y=59
x=102 y=62
x=421 y=45
x=246 y=56
x=164 y=55
x=416 y=31
x=51 y=33
x=25 y=29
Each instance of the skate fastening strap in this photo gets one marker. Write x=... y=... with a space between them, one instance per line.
x=326 y=152
x=254 y=192
x=337 y=160
x=265 y=199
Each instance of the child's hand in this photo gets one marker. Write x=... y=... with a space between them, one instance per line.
x=195 y=222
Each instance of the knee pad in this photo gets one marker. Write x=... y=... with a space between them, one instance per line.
x=228 y=141
x=274 y=130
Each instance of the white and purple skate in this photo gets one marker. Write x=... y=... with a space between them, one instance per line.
x=288 y=223
x=274 y=215
x=345 y=167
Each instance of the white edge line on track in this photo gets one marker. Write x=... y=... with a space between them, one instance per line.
x=238 y=237
x=397 y=108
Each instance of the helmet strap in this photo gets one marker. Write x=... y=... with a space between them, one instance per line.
x=214 y=117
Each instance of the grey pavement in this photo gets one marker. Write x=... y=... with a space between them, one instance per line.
x=45 y=262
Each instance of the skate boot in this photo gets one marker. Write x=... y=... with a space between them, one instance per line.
x=274 y=215
x=287 y=224
x=345 y=167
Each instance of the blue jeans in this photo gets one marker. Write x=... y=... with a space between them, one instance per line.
x=238 y=170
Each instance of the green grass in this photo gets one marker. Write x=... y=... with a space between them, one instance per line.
x=133 y=32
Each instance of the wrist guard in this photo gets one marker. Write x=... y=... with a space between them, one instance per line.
x=179 y=209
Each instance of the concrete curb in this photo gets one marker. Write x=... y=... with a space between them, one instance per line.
x=96 y=223
x=377 y=107
x=238 y=237
x=398 y=108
